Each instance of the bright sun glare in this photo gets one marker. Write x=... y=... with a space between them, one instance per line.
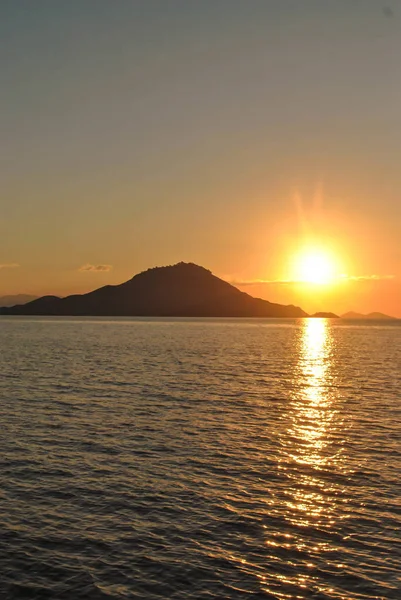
x=314 y=267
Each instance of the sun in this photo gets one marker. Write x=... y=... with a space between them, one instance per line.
x=314 y=266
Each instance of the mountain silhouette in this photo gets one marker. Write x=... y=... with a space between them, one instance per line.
x=181 y=290
x=16 y=299
x=372 y=315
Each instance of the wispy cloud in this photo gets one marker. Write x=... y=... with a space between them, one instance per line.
x=262 y=282
x=95 y=268
x=294 y=281
x=367 y=277
x=9 y=265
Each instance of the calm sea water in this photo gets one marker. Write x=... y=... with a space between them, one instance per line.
x=200 y=459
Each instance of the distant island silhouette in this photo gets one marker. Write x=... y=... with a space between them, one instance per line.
x=12 y=300
x=181 y=290
x=372 y=315
x=324 y=315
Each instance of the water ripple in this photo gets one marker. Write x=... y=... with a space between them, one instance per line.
x=199 y=459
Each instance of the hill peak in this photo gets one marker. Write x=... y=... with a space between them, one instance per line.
x=182 y=267
x=179 y=290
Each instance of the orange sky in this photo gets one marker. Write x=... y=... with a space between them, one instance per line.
x=230 y=134
x=362 y=296
x=259 y=261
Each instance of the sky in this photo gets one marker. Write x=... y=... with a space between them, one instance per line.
x=229 y=133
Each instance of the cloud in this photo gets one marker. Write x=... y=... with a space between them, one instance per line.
x=294 y=281
x=262 y=282
x=368 y=277
x=95 y=268
x=9 y=266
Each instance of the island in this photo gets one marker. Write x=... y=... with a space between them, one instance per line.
x=373 y=315
x=180 y=290
x=17 y=299
x=324 y=315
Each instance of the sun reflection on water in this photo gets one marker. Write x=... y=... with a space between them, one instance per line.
x=313 y=408
x=312 y=427
x=312 y=445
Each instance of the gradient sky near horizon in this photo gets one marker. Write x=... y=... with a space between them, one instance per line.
x=229 y=133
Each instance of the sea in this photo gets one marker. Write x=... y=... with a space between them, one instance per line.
x=200 y=459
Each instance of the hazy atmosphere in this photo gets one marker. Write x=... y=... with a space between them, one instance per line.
x=200 y=299
x=227 y=133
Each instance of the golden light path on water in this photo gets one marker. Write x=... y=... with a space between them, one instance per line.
x=312 y=444
x=314 y=407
